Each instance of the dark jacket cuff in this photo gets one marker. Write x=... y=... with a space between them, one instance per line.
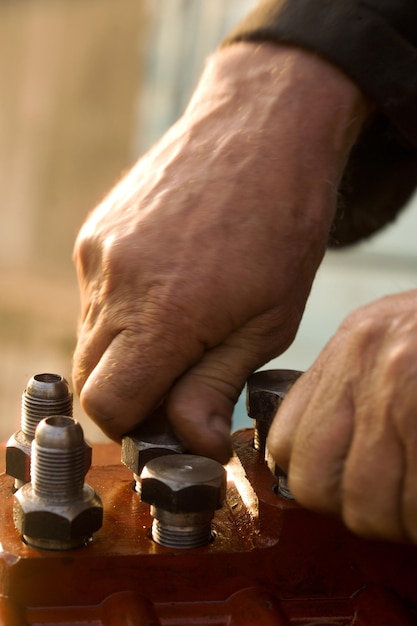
x=375 y=43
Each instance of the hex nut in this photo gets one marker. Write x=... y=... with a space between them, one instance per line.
x=18 y=450
x=57 y=510
x=184 y=483
x=18 y=456
x=265 y=392
x=65 y=524
x=138 y=449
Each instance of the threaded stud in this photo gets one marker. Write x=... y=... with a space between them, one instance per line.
x=184 y=531
x=46 y=394
x=58 y=459
x=57 y=510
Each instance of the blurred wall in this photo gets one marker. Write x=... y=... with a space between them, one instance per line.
x=69 y=84
x=182 y=33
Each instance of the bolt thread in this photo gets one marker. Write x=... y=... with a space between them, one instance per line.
x=184 y=538
x=260 y=434
x=58 y=475
x=36 y=409
x=181 y=530
x=46 y=394
x=58 y=459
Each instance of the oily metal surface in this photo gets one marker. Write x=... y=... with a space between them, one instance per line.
x=271 y=563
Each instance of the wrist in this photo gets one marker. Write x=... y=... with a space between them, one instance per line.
x=279 y=83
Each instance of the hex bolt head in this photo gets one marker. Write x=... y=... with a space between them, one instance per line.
x=183 y=490
x=148 y=441
x=45 y=394
x=265 y=392
x=57 y=510
x=264 y=395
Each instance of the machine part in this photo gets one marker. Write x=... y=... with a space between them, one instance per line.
x=265 y=391
x=45 y=394
x=264 y=394
x=150 y=440
x=183 y=490
x=273 y=564
x=281 y=487
x=57 y=510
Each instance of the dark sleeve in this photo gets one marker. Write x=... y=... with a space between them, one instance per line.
x=375 y=43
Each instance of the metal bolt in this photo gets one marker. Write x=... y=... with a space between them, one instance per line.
x=150 y=440
x=184 y=491
x=265 y=391
x=57 y=510
x=282 y=487
x=264 y=394
x=45 y=394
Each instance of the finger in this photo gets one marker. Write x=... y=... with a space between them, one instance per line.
x=95 y=336
x=284 y=427
x=409 y=500
x=408 y=437
x=401 y=391
x=130 y=378
x=200 y=405
x=320 y=446
x=371 y=486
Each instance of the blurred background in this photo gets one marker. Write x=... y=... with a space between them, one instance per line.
x=86 y=87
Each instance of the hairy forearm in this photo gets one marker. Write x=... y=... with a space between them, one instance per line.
x=278 y=85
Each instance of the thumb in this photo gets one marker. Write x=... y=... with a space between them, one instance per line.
x=200 y=404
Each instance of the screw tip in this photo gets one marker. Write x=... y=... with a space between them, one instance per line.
x=48 y=386
x=59 y=432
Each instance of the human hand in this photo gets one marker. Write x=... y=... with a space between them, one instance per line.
x=347 y=430
x=195 y=270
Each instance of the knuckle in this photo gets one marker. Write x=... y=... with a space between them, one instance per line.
x=120 y=253
x=85 y=248
x=361 y=325
x=399 y=358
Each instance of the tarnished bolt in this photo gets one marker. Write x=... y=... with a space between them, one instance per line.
x=45 y=394
x=282 y=487
x=184 y=491
x=265 y=391
x=57 y=510
x=264 y=394
x=148 y=441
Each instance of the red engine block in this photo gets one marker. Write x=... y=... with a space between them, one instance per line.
x=270 y=563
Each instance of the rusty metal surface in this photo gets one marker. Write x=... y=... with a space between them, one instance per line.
x=271 y=563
